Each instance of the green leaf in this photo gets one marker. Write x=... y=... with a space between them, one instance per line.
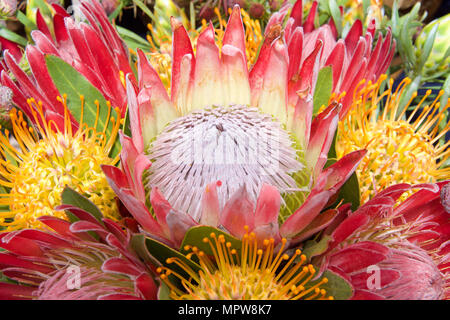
x=71 y=197
x=12 y=36
x=336 y=286
x=163 y=292
x=445 y=96
x=27 y=22
x=133 y=40
x=408 y=92
x=336 y=14
x=314 y=248
x=195 y=236
x=70 y=82
x=428 y=46
x=349 y=192
x=157 y=253
x=116 y=12
x=44 y=7
x=324 y=86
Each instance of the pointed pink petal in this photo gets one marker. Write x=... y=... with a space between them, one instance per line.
x=333 y=177
x=181 y=47
x=273 y=96
x=348 y=227
x=352 y=259
x=161 y=208
x=179 y=223
x=297 y=13
x=319 y=223
x=135 y=118
x=295 y=53
x=40 y=72
x=267 y=206
x=148 y=76
x=21 y=246
x=303 y=216
x=323 y=129
x=208 y=89
x=43 y=43
x=234 y=33
x=134 y=164
x=210 y=205
x=256 y=76
x=137 y=209
x=336 y=60
x=10 y=260
x=120 y=266
x=42 y=25
x=236 y=87
x=237 y=213
x=147 y=286
x=308 y=26
x=60 y=226
x=353 y=35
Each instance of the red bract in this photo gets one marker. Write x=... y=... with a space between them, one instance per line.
x=406 y=246
x=13 y=48
x=86 y=259
x=94 y=49
x=206 y=79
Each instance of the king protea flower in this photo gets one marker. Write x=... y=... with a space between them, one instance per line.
x=94 y=49
x=352 y=59
x=84 y=260
x=394 y=252
x=223 y=147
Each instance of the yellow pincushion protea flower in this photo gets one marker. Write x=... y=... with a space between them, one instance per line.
x=402 y=147
x=251 y=272
x=46 y=160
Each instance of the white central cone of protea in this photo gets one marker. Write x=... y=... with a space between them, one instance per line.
x=236 y=145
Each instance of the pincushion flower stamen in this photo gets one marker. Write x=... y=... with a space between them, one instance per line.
x=48 y=159
x=251 y=272
x=402 y=147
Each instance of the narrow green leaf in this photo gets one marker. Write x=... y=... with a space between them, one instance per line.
x=407 y=94
x=428 y=46
x=26 y=21
x=71 y=197
x=12 y=36
x=133 y=40
x=336 y=14
x=70 y=82
x=116 y=12
x=195 y=236
x=323 y=89
x=45 y=10
x=445 y=96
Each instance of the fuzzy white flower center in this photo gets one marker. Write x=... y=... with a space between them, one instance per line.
x=236 y=145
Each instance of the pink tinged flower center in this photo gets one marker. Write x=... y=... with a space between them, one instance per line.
x=236 y=145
